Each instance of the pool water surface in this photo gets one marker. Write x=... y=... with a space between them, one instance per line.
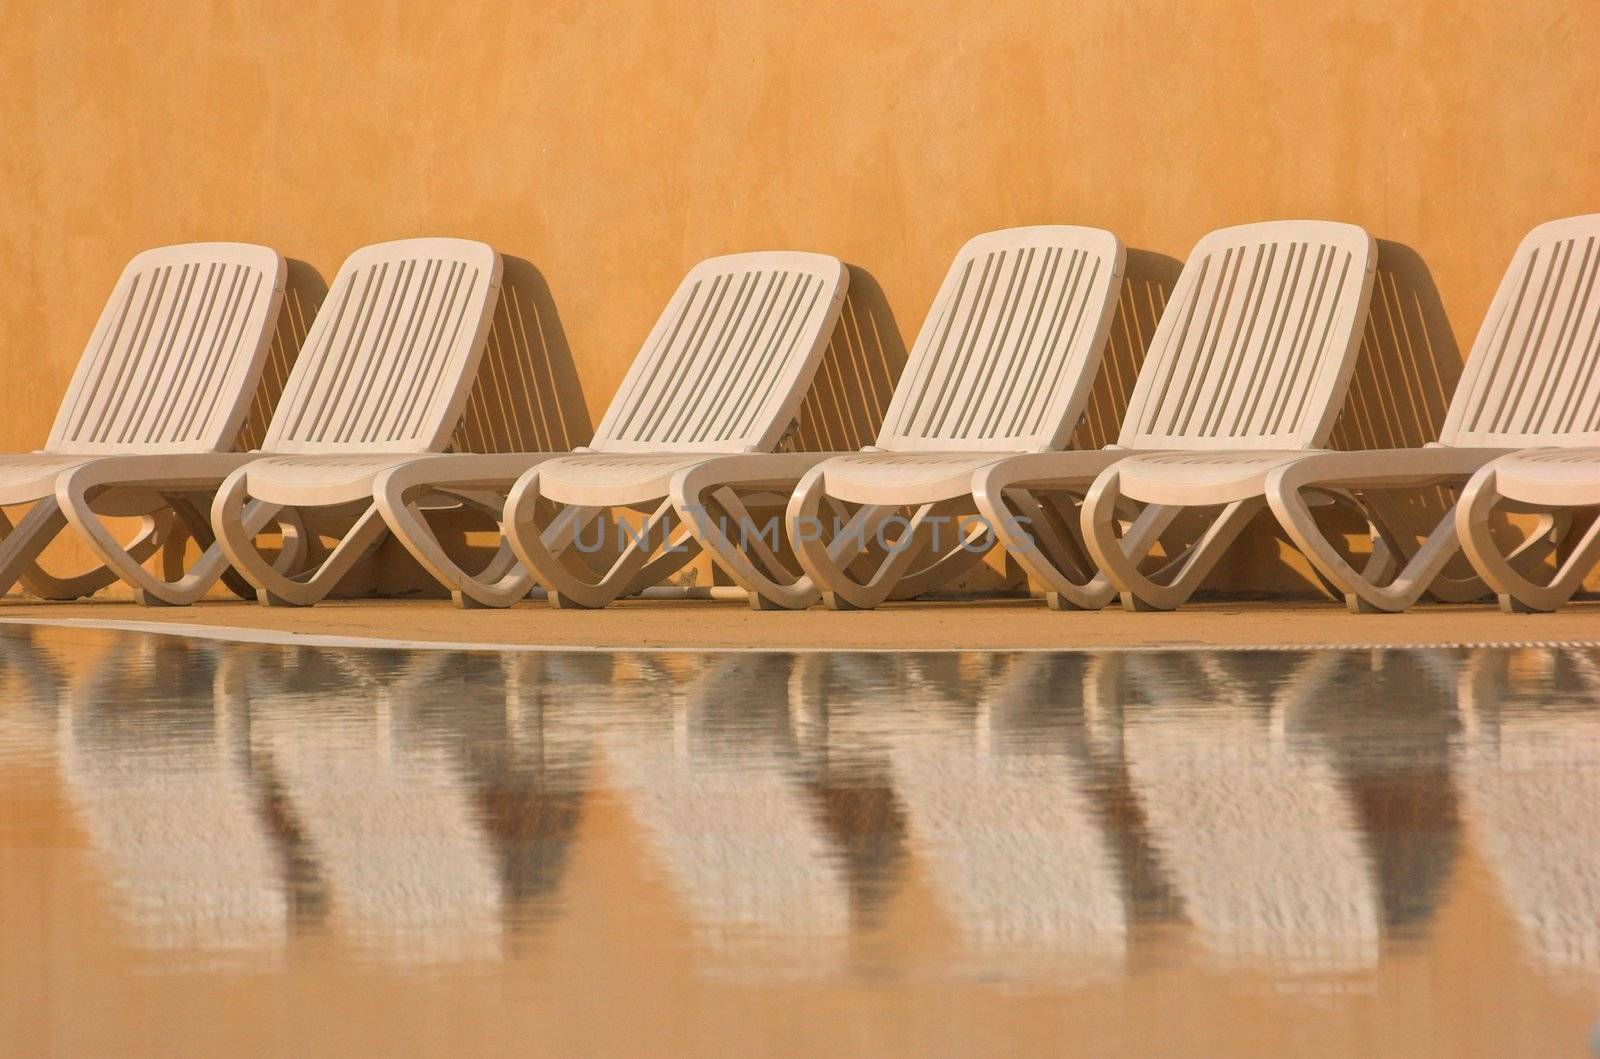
x=218 y=848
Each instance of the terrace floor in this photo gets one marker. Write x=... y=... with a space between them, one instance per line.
x=993 y=624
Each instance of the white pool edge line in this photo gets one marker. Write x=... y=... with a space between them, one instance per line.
x=276 y=638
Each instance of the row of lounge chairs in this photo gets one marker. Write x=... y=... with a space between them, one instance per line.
x=1238 y=393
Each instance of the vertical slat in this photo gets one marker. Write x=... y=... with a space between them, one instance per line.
x=1298 y=394
x=408 y=354
x=1541 y=389
x=764 y=357
x=127 y=354
x=1248 y=400
x=354 y=398
x=698 y=389
x=1014 y=376
x=1195 y=362
x=330 y=347
x=175 y=387
x=229 y=344
x=1528 y=343
x=698 y=309
x=1534 y=374
x=1065 y=333
x=973 y=328
x=432 y=376
x=1282 y=369
x=992 y=333
x=208 y=359
x=788 y=336
x=1253 y=334
x=1564 y=380
x=1238 y=318
x=1167 y=357
x=1257 y=341
x=920 y=374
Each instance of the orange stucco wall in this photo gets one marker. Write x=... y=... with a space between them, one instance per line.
x=611 y=145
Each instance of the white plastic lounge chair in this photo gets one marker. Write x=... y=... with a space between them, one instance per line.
x=1533 y=378
x=382 y=377
x=384 y=381
x=169 y=372
x=1003 y=364
x=723 y=372
x=1247 y=367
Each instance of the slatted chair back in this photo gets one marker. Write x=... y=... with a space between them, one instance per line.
x=174 y=360
x=390 y=358
x=1011 y=345
x=1533 y=376
x=727 y=365
x=1257 y=344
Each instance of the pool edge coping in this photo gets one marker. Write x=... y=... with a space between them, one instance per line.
x=279 y=638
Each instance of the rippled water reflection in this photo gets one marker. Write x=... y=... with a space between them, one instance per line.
x=1335 y=851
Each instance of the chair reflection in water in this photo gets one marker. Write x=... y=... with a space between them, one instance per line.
x=1004 y=798
x=1254 y=798
x=235 y=796
x=431 y=788
x=158 y=765
x=1529 y=779
x=709 y=767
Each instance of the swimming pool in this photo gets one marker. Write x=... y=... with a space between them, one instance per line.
x=256 y=847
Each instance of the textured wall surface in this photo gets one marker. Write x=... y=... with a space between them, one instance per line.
x=611 y=145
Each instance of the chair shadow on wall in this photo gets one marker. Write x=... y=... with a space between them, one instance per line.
x=526 y=398
x=1147 y=282
x=1405 y=374
x=850 y=394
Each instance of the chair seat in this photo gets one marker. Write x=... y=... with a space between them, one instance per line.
x=904 y=477
x=613 y=478
x=1557 y=476
x=320 y=480
x=26 y=477
x=1201 y=478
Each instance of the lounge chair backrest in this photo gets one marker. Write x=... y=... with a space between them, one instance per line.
x=728 y=363
x=175 y=358
x=1533 y=376
x=1257 y=344
x=389 y=362
x=1007 y=353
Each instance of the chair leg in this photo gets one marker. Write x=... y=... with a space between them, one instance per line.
x=236 y=521
x=1517 y=594
x=76 y=491
x=1286 y=495
x=694 y=497
x=1048 y=550
x=21 y=545
x=552 y=552
x=502 y=583
x=1120 y=558
x=828 y=560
